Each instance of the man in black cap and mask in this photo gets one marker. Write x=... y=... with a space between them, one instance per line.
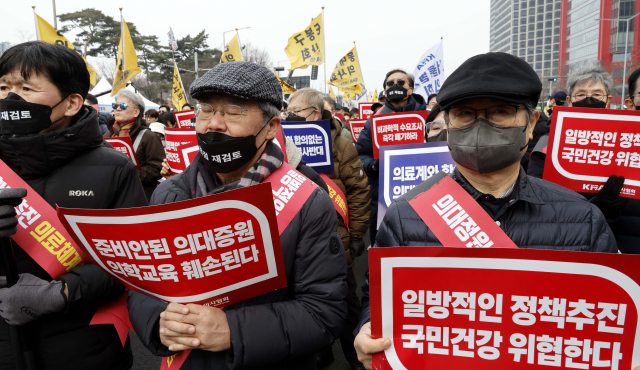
x=56 y=147
x=400 y=98
x=489 y=104
x=238 y=112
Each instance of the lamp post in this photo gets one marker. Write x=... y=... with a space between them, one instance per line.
x=224 y=42
x=626 y=46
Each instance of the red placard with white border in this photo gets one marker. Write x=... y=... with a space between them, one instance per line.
x=124 y=146
x=339 y=116
x=214 y=250
x=364 y=110
x=355 y=126
x=280 y=140
x=588 y=145
x=397 y=129
x=174 y=138
x=183 y=119
x=466 y=308
x=187 y=153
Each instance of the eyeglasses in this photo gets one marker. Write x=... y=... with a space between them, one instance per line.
x=122 y=106
x=582 y=96
x=504 y=115
x=229 y=113
x=289 y=112
x=399 y=83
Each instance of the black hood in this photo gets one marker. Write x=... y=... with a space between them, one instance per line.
x=414 y=103
x=38 y=155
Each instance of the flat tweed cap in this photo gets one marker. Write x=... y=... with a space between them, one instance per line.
x=491 y=75
x=242 y=79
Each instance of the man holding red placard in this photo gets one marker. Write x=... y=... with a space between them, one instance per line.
x=56 y=148
x=489 y=104
x=237 y=116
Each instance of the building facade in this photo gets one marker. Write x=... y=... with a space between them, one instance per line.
x=529 y=29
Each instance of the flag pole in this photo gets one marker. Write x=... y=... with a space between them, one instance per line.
x=324 y=54
x=359 y=66
x=123 y=65
x=239 y=46
x=55 y=18
x=35 y=19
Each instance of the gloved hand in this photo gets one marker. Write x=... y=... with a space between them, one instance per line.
x=30 y=299
x=608 y=199
x=375 y=165
x=357 y=246
x=10 y=198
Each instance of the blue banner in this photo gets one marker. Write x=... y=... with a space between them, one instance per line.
x=403 y=167
x=313 y=138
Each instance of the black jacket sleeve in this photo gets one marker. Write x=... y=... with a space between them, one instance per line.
x=365 y=149
x=90 y=287
x=536 y=165
x=271 y=333
x=130 y=192
x=144 y=313
x=312 y=175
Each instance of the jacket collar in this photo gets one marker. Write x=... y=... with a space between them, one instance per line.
x=35 y=156
x=414 y=103
x=524 y=190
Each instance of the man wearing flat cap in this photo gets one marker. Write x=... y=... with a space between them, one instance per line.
x=238 y=111
x=489 y=104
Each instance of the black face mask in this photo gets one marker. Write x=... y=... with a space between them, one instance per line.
x=441 y=136
x=223 y=153
x=19 y=117
x=485 y=147
x=396 y=93
x=590 y=102
x=292 y=117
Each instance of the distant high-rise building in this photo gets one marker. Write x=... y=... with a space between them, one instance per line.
x=4 y=46
x=530 y=30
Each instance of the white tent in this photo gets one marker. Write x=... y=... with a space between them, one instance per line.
x=104 y=101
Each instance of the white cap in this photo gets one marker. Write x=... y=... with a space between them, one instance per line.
x=157 y=127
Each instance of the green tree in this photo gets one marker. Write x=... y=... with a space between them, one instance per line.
x=89 y=21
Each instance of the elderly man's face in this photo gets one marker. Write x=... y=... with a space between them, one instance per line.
x=589 y=88
x=303 y=109
x=128 y=114
x=249 y=123
x=327 y=107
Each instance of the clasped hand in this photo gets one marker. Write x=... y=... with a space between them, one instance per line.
x=194 y=326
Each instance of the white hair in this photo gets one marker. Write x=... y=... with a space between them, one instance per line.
x=135 y=98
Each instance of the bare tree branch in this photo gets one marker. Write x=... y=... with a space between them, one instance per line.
x=256 y=55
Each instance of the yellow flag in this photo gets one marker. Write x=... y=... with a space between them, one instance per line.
x=347 y=71
x=375 y=95
x=286 y=88
x=331 y=94
x=177 y=92
x=348 y=96
x=232 y=51
x=306 y=48
x=356 y=89
x=50 y=35
x=131 y=67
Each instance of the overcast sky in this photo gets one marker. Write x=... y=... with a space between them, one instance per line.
x=388 y=34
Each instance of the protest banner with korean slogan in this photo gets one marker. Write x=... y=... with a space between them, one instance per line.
x=364 y=110
x=188 y=152
x=183 y=119
x=127 y=65
x=178 y=97
x=429 y=72
x=232 y=51
x=397 y=129
x=40 y=234
x=403 y=167
x=174 y=138
x=124 y=146
x=355 y=127
x=586 y=146
x=286 y=88
x=338 y=198
x=347 y=71
x=214 y=250
x=463 y=308
x=313 y=138
x=306 y=48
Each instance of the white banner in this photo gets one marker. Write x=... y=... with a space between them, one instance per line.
x=172 y=40
x=429 y=73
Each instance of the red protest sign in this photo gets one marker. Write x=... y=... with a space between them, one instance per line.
x=183 y=119
x=175 y=138
x=397 y=129
x=339 y=116
x=364 y=110
x=455 y=218
x=123 y=145
x=213 y=250
x=463 y=308
x=40 y=234
x=188 y=153
x=355 y=126
x=280 y=140
x=586 y=146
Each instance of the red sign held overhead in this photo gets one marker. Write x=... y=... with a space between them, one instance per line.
x=397 y=129
x=124 y=146
x=364 y=110
x=464 y=308
x=174 y=139
x=586 y=146
x=214 y=250
x=355 y=126
x=183 y=119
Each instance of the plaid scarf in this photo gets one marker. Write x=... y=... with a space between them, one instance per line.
x=120 y=130
x=203 y=182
